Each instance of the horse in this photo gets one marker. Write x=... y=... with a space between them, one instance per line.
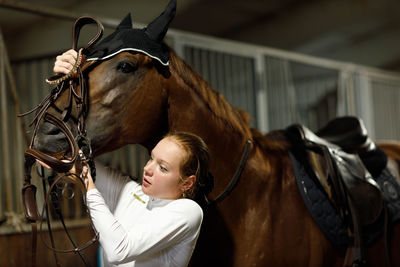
x=263 y=221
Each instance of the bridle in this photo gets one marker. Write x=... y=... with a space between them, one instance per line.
x=80 y=152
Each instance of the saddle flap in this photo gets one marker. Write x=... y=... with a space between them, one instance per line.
x=361 y=188
x=319 y=167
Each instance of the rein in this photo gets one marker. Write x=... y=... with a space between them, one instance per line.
x=235 y=179
x=63 y=164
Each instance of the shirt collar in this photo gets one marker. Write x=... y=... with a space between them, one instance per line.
x=151 y=202
x=154 y=202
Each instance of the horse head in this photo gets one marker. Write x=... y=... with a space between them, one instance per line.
x=127 y=102
x=124 y=74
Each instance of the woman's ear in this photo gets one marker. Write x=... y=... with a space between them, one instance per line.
x=188 y=183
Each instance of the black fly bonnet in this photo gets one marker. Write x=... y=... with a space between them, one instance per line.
x=148 y=40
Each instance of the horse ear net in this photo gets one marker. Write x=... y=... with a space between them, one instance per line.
x=126 y=23
x=158 y=28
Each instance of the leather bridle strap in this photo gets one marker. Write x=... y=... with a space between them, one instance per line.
x=79 y=23
x=60 y=166
x=236 y=176
x=56 y=164
x=77 y=181
x=29 y=190
x=46 y=208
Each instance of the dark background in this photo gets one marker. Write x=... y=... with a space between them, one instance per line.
x=365 y=32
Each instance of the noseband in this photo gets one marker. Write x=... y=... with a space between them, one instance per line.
x=65 y=84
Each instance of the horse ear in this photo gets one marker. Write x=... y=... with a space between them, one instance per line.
x=157 y=29
x=126 y=23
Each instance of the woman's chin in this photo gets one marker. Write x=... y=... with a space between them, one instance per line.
x=146 y=190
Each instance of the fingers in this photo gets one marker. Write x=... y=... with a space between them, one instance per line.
x=61 y=67
x=88 y=180
x=43 y=164
x=65 y=62
x=85 y=174
x=49 y=168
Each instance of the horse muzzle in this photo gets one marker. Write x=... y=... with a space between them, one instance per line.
x=51 y=140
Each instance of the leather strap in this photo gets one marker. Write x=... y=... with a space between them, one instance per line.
x=76 y=180
x=34 y=243
x=58 y=165
x=46 y=208
x=232 y=184
x=79 y=23
x=61 y=166
x=76 y=29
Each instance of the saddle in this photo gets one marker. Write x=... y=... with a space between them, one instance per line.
x=337 y=154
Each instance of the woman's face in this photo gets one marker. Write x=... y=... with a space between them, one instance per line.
x=161 y=174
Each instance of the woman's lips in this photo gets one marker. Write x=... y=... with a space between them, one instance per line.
x=146 y=182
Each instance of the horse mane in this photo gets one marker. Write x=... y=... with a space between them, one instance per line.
x=236 y=118
x=274 y=141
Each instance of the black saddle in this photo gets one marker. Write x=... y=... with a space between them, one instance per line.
x=350 y=134
x=340 y=146
x=338 y=154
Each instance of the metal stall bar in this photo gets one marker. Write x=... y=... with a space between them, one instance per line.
x=6 y=175
x=21 y=132
x=349 y=97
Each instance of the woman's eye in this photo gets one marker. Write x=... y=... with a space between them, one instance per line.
x=164 y=169
x=126 y=67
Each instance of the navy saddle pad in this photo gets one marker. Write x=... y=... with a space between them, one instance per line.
x=326 y=216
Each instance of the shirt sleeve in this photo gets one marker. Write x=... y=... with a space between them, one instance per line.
x=152 y=232
x=110 y=183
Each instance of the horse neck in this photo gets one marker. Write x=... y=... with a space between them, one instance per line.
x=194 y=107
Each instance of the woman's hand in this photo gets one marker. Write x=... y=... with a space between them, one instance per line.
x=86 y=175
x=65 y=62
x=88 y=178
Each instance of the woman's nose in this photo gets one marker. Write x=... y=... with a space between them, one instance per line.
x=148 y=168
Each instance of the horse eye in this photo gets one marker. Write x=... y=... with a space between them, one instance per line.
x=126 y=67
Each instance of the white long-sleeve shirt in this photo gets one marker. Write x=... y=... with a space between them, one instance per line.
x=138 y=230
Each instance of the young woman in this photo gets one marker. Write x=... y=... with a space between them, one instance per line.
x=155 y=223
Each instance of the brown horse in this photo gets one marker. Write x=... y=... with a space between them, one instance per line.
x=263 y=222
